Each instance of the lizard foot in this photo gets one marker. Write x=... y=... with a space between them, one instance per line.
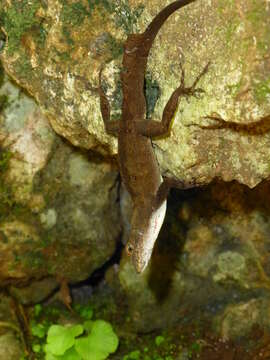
x=192 y=90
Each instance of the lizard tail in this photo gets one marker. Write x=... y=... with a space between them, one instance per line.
x=153 y=28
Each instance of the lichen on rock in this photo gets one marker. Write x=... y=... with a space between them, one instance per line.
x=50 y=47
x=210 y=262
x=56 y=203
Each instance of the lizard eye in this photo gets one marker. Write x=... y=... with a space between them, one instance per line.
x=129 y=249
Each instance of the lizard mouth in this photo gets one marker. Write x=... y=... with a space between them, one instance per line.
x=140 y=267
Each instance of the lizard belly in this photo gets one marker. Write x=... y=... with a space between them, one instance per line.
x=148 y=235
x=155 y=224
x=138 y=165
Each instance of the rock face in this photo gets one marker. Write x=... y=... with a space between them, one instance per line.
x=51 y=45
x=10 y=346
x=58 y=213
x=213 y=263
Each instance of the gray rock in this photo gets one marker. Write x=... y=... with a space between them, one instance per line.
x=59 y=218
x=57 y=44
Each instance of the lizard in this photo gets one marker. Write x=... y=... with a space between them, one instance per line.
x=138 y=165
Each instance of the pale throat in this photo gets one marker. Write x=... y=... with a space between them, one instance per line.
x=155 y=223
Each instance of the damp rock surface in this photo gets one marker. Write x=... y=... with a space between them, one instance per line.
x=59 y=218
x=55 y=49
x=211 y=261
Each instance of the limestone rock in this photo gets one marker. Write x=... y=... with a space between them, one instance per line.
x=211 y=262
x=58 y=213
x=51 y=46
x=10 y=347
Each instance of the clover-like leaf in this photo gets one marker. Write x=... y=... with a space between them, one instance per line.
x=99 y=343
x=70 y=354
x=61 y=338
x=88 y=325
x=38 y=330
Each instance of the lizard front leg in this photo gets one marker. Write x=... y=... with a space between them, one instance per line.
x=111 y=126
x=153 y=128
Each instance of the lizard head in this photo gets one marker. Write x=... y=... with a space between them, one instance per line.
x=145 y=225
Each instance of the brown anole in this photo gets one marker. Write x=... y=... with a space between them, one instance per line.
x=139 y=168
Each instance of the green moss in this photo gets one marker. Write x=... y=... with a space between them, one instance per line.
x=125 y=17
x=67 y=35
x=73 y=14
x=41 y=36
x=231 y=29
x=106 y=4
x=2 y=74
x=262 y=90
x=258 y=18
x=65 y=56
x=3 y=102
x=234 y=89
x=8 y=206
x=5 y=156
x=6 y=200
x=256 y=15
x=33 y=259
x=18 y=18
x=23 y=66
x=108 y=47
x=223 y=5
x=115 y=47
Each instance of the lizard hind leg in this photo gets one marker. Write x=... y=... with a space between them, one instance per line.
x=153 y=128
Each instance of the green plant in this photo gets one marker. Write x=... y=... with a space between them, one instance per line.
x=89 y=339
x=133 y=355
x=159 y=340
x=85 y=311
x=18 y=18
x=94 y=340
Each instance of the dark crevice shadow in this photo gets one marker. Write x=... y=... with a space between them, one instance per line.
x=205 y=203
x=99 y=274
x=169 y=246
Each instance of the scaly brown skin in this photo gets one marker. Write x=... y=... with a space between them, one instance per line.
x=138 y=165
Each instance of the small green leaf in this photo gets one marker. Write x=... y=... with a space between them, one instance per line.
x=38 y=330
x=37 y=310
x=133 y=355
x=70 y=354
x=36 y=348
x=61 y=338
x=85 y=312
x=88 y=325
x=50 y=356
x=159 y=340
x=99 y=344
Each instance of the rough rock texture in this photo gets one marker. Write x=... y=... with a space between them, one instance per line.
x=49 y=44
x=59 y=219
x=212 y=262
x=10 y=346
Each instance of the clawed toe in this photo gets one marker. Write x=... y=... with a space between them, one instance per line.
x=197 y=93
